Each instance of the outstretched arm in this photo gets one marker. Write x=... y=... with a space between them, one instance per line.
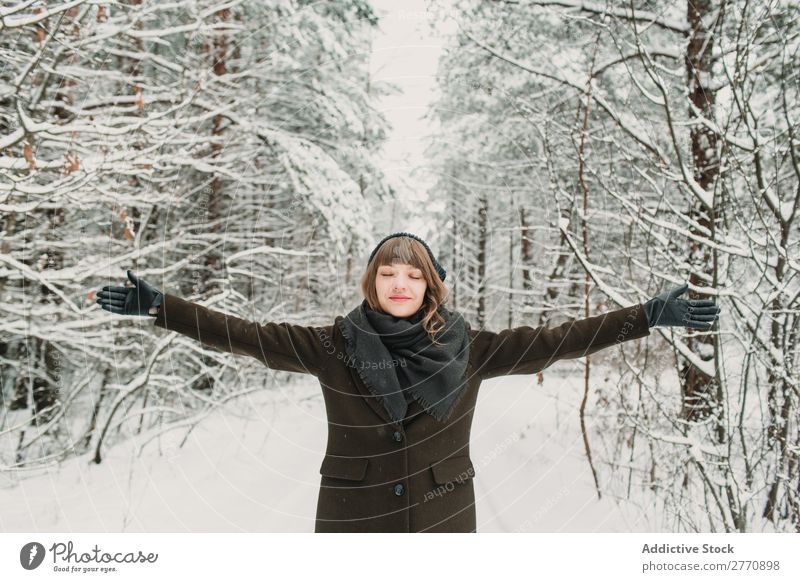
x=528 y=350
x=280 y=346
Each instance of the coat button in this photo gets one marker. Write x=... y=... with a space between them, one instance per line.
x=398 y=489
x=398 y=436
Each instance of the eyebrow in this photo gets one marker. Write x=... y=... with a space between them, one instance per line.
x=413 y=269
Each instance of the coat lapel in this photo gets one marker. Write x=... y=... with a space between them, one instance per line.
x=371 y=399
x=415 y=411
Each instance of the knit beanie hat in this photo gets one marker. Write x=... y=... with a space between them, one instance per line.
x=439 y=269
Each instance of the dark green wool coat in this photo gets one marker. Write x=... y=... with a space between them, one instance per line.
x=411 y=476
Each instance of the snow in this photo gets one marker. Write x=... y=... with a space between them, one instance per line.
x=530 y=465
x=253 y=467
x=12 y=138
x=6 y=21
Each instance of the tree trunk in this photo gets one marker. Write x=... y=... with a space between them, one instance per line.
x=206 y=286
x=483 y=225
x=699 y=391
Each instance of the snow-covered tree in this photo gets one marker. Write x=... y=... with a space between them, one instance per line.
x=223 y=150
x=635 y=147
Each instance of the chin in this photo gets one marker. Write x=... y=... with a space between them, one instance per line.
x=404 y=310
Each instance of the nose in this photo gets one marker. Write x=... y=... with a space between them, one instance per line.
x=399 y=284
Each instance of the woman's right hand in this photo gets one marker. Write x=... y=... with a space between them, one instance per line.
x=136 y=300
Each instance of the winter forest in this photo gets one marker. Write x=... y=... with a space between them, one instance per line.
x=585 y=155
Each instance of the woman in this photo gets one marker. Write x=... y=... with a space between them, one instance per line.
x=400 y=376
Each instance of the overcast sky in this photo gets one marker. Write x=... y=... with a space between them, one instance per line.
x=405 y=52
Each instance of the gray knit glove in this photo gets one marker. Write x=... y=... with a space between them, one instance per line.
x=136 y=300
x=666 y=309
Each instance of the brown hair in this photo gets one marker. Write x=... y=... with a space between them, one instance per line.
x=403 y=249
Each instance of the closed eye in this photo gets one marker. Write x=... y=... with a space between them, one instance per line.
x=389 y=275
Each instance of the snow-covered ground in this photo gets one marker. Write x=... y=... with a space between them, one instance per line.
x=253 y=467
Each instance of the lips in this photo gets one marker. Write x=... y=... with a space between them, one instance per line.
x=399 y=298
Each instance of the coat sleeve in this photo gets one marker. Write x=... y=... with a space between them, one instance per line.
x=280 y=346
x=528 y=350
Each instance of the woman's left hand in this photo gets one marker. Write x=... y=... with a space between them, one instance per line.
x=666 y=309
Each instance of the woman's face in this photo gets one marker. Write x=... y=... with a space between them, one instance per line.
x=401 y=289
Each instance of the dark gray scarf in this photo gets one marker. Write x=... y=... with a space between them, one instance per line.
x=397 y=360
